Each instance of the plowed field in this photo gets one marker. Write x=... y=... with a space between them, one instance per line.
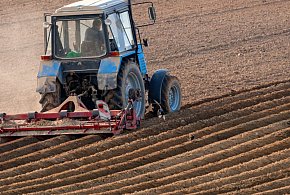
x=241 y=145
x=232 y=135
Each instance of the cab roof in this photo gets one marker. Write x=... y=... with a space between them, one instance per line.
x=97 y=6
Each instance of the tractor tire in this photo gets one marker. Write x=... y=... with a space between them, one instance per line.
x=170 y=94
x=129 y=77
x=49 y=101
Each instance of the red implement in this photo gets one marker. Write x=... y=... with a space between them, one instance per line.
x=71 y=117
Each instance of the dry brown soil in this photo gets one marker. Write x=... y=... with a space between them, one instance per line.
x=232 y=135
x=212 y=46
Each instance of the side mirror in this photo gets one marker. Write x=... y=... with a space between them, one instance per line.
x=152 y=13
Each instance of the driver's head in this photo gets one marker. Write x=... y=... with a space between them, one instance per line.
x=97 y=23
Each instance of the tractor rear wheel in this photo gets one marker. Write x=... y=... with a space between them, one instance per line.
x=171 y=94
x=129 y=77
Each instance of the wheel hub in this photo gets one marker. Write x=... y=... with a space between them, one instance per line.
x=174 y=98
x=132 y=82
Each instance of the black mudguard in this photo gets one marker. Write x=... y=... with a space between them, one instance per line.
x=155 y=85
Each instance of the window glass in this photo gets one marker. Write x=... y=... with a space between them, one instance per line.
x=79 y=37
x=127 y=26
x=48 y=41
x=121 y=31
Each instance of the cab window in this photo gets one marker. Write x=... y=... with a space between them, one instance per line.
x=120 y=31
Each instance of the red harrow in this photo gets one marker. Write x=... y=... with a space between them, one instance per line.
x=71 y=117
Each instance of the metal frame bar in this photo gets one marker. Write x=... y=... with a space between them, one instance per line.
x=55 y=115
x=90 y=122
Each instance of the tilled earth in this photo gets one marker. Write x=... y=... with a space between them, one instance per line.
x=232 y=135
x=241 y=146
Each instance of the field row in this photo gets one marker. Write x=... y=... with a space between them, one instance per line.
x=245 y=128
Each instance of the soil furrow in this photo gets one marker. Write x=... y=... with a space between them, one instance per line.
x=57 y=149
x=31 y=148
x=252 y=164
x=18 y=143
x=133 y=147
x=284 y=190
x=187 y=169
x=279 y=183
x=223 y=106
x=120 y=175
x=116 y=141
x=26 y=154
x=245 y=93
x=216 y=182
x=220 y=101
x=248 y=183
x=5 y=140
x=176 y=159
x=90 y=174
x=197 y=153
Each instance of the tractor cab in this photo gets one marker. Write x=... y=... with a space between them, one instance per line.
x=90 y=36
x=104 y=28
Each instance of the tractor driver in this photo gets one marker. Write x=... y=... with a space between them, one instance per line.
x=94 y=42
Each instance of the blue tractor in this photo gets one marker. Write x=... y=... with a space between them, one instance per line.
x=93 y=50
